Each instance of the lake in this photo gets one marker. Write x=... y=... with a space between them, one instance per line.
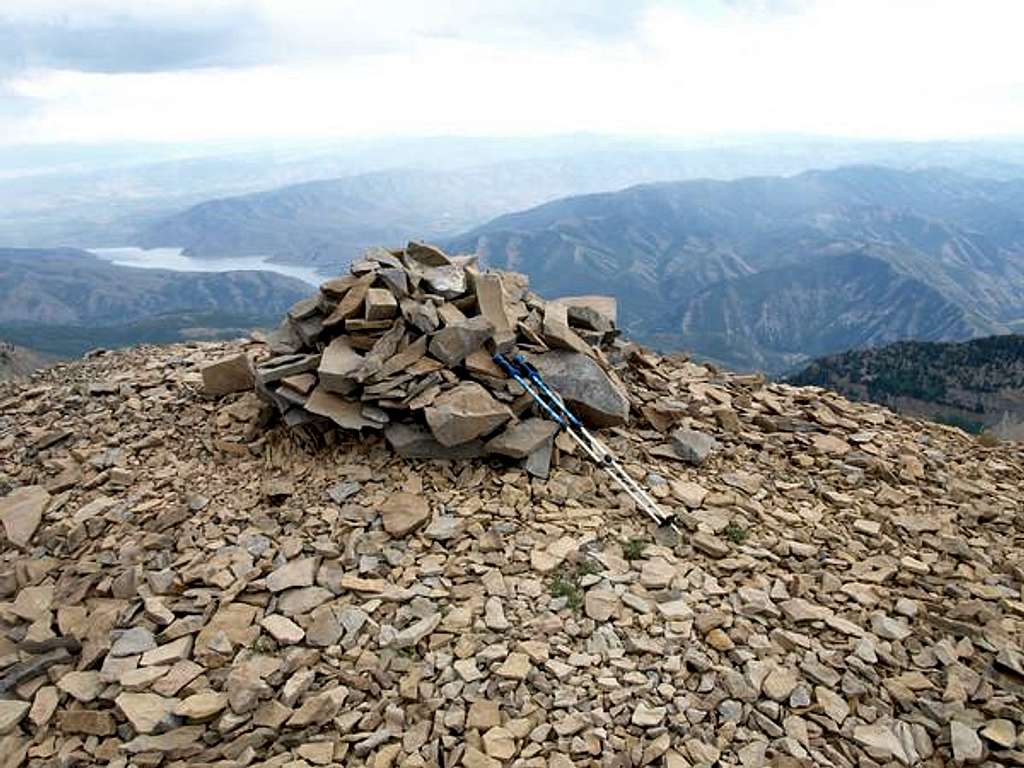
x=175 y=260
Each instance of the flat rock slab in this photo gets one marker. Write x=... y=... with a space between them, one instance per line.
x=21 y=511
x=588 y=391
x=465 y=413
x=523 y=439
x=347 y=414
x=452 y=344
x=338 y=366
x=231 y=374
x=692 y=446
x=412 y=441
x=403 y=513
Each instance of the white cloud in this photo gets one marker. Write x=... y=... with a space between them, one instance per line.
x=909 y=68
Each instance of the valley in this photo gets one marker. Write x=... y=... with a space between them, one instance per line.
x=64 y=302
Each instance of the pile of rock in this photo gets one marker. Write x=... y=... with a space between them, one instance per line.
x=181 y=587
x=405 y=343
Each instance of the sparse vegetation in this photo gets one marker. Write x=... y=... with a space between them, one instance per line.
x=634 y=549
x=564 y=586
x=567 y=582
x=969 y=385
x=736 y=533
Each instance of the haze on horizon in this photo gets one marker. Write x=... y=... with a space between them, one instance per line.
x=109 y=71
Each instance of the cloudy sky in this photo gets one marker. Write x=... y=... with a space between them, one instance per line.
x=196 y=70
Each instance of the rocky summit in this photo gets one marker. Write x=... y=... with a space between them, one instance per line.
x=184 y=584
x=404 y=343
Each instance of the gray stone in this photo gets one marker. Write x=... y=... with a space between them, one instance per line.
x=710 y=545
x=132 y=642
x=309 y=330
x=147 y=712
x=452 y=344
x=295 y=573
x=396 y=281
x=343 y=490
x=522 y=439
x=589 y=318
x=232 y=374
x=12 y=712
x=304 y=308
x=325 y=629
x=605 y=306
x=692 y=446
x=295 y=602
x=422 y=315
x=538 y=463
x=967 y=745
x=557 y=332
x=465 y=413
x=339 y=366
x=449 y=282
x=490 y=297
x=880 y=742
x=281 y=367
x=443 y=528
x=382 y=256
x=412 y=441
x=283 y=340
x=429 y=255
x=411 y=635
x=589 y=392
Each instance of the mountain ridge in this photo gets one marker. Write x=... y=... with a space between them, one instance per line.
x=64 y=301
x=658 y=247
x=978 y=384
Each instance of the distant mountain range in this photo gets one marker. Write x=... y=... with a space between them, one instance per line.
x=755 y=273
x=88 y=196
x=975 y=384
x=328 y=223
x=767 y=273
x=66 y=301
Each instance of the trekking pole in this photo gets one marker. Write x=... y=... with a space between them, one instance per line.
x=519 y=369
x=598 y=450
x=507 y=366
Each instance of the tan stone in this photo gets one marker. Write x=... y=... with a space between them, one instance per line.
x=21 y=512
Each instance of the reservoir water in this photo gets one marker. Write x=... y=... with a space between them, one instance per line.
x=174 y=259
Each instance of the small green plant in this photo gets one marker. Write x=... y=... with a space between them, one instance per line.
x=562 y=586
x=568 y=582
x=737 y=534
x=634 y=549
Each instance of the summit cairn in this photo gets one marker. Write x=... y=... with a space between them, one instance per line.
x=404 y=344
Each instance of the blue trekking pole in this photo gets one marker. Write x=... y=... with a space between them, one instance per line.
x=552 y=404
x=510 y=369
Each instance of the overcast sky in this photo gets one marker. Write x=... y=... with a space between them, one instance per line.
x=194 y=70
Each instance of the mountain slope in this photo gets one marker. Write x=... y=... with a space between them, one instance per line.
x=64 y=301
x=777 y=317
x=953 y=241
x=845 y=591
x=976 y=383
x=324 y=222
x=18 y=361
